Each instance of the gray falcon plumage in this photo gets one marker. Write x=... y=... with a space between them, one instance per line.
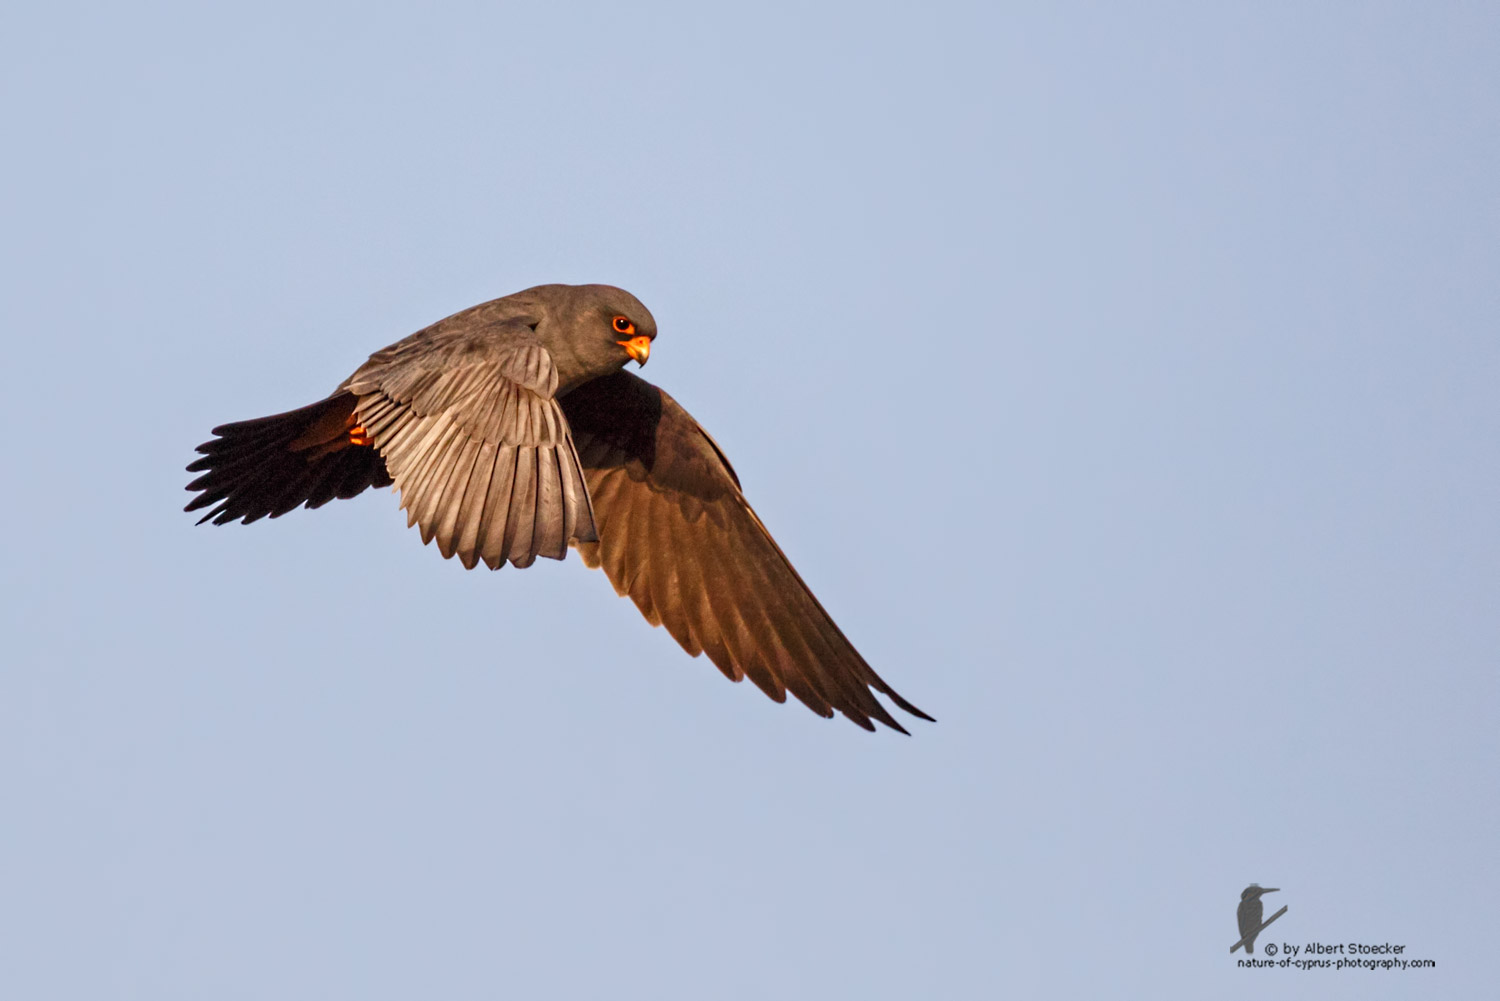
x=512 y=432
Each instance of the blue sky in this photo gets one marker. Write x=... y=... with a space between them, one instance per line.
x=1121 y=377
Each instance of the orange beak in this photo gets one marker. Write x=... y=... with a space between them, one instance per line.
x=638 y=348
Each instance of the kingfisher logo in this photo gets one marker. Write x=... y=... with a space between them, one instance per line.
x=1249 y=915
x=1309 y=955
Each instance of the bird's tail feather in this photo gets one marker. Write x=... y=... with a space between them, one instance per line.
x=270 y=465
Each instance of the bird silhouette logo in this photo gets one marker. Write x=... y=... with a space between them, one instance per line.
x=1249 y=914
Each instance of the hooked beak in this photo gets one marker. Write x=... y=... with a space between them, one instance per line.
x=638 y=348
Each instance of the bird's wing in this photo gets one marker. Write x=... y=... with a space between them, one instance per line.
x=470 y=431
x=1249 y=914
x=678 y=537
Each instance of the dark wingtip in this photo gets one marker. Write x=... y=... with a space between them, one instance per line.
x=907 y=706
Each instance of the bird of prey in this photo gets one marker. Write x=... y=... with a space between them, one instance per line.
x=512 y=431
x=1249 y=914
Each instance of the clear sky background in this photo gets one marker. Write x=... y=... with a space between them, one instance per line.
x=1122 y=377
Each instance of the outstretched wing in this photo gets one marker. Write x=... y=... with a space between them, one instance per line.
x=470 y=431
x=678 y=537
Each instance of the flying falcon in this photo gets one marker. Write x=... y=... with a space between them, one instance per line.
x=512 y=431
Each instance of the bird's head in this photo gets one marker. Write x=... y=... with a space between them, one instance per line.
x=592 y=330
x=1253 y=891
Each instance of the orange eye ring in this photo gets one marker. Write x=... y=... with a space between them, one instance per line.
x=623 y=325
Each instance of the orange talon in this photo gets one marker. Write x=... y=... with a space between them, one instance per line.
x=359 y=436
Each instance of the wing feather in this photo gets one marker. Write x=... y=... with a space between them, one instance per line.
x=476 y=499
x=496 y=542
x=467 y=423
x=676 y=535
x=547 y=536
x=522 y=508
x=460 y=482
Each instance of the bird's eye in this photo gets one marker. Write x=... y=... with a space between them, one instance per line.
x=623 y=325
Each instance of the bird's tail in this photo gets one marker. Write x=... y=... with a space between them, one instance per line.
x=270 y=465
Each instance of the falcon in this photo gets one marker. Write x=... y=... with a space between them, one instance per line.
x=512 y=430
